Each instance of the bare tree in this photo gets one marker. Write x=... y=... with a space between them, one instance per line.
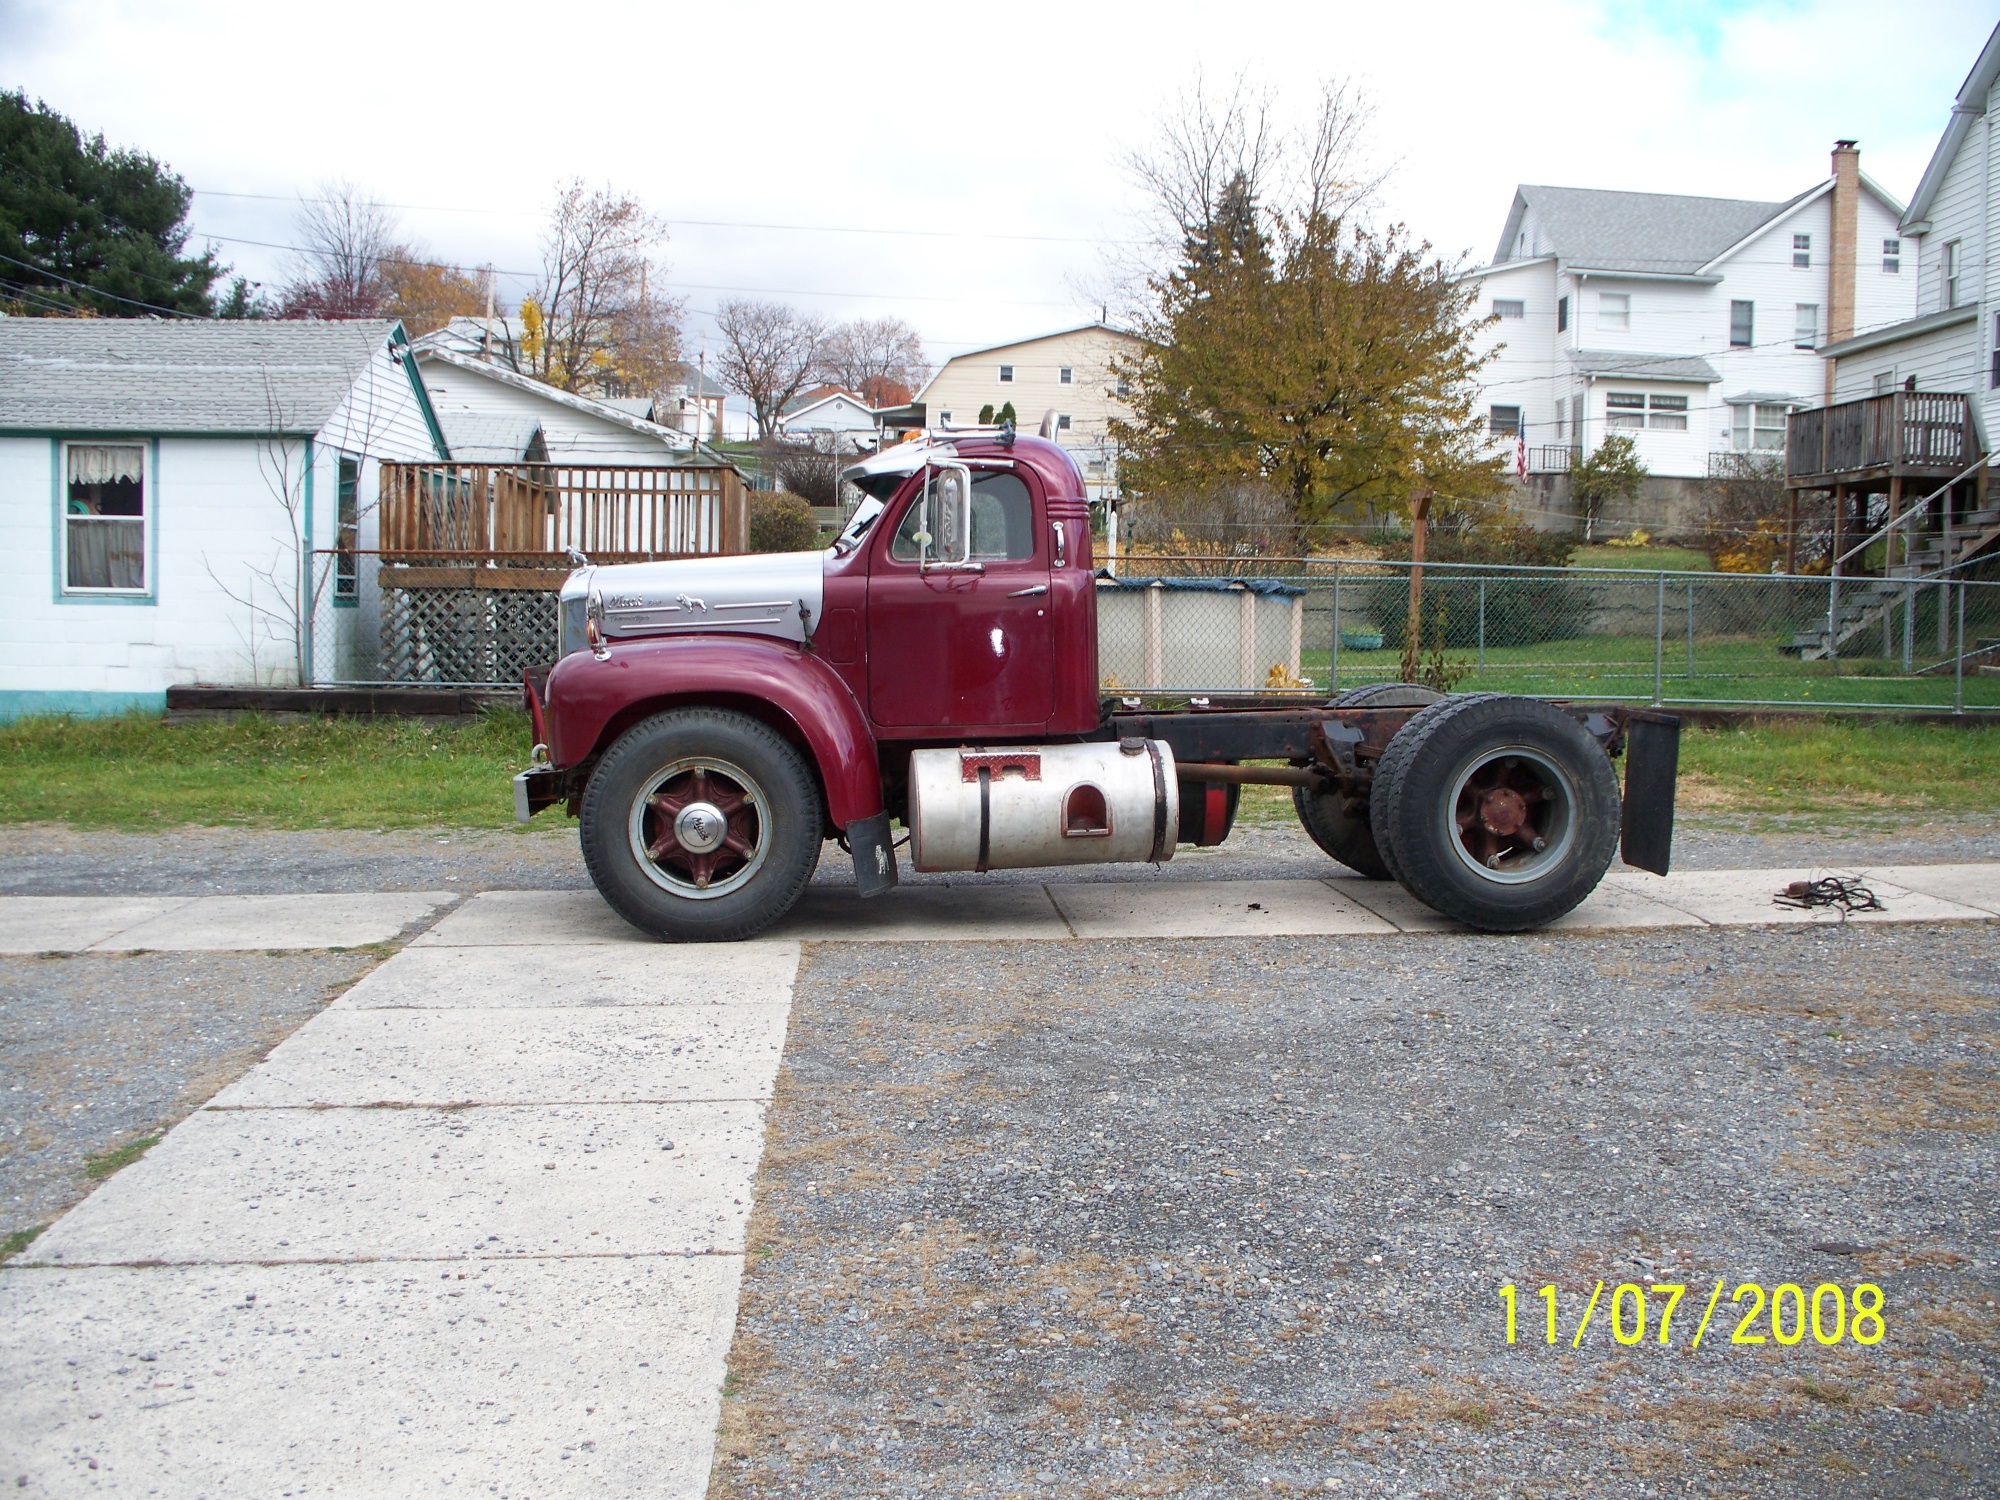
x=770 y=351
x=344 y=238
x=881 y=359
x=595 y=318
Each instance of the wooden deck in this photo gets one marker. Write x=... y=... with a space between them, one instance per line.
x=527 y=516
x=1901 y=435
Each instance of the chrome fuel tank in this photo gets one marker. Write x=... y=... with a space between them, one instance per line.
x=769 y=593
x=1012 y=807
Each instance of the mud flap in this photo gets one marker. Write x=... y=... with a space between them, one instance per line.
x=1652 y=757
x=874 y=855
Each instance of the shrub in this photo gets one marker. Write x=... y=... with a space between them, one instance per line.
x=781 y=522
x=1521 y=609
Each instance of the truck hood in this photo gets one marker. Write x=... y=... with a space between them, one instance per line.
x=772 y=593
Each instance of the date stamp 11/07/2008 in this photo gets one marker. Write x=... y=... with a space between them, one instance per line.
x=1830 y=1314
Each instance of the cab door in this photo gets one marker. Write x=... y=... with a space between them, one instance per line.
x=968 y=645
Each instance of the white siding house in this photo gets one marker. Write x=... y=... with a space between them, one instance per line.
x=163 y=488
x=1691 y=325
x=831 y=417
x=486 y=410
x=1947 y=340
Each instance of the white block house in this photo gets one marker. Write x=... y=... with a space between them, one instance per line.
x=1691 y=325
x=164 y=486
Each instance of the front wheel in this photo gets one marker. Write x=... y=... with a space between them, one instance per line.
x=1500 y=812
x=701 y=825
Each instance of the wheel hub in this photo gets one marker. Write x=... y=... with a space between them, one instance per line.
x=1502 y=811
x=1512 y=814
x=701 y=827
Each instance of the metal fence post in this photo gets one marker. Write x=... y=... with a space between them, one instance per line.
x=1833 y=614
x=1659 y=633
x=1690 y=589
x=1958 y=663
x=1333 y=661
x=1909 y=622
x=1482 y=622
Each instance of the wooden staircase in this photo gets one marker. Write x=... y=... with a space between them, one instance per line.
x=1863 y=602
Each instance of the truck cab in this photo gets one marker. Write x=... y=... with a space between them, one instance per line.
x=713 y=722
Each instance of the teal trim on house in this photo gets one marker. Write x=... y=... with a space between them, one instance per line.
x=19 y=703
x=57 y=510
x=306 y=599
x=400 y=341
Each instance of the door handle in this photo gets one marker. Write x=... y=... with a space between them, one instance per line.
x=1040 y=588
x=1062 y=543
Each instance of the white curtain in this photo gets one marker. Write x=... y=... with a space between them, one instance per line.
x=102 y=463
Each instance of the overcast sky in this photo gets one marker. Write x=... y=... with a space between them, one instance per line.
x=957 y=167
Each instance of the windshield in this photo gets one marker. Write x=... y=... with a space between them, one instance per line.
x=865 y=515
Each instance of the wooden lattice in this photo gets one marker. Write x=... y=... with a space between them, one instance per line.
x=467 y=635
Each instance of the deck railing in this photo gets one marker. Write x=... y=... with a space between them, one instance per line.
x=1908 y=432
x=524 y=514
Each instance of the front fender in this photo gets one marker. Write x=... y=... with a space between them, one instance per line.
x=586 y=698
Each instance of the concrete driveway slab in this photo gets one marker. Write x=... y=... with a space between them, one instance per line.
x=70 y=924
x=573 y=1377
x=1222 y=908
x=1743 y=898
x=521 y=919
x=274 y=1185
x=267 y=922
x=920 y=914
x=592 y=1055
x=1397 y=906
x=580 y=975
x=1963 y=885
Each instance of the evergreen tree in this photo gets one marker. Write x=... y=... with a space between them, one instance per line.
x=87 y=228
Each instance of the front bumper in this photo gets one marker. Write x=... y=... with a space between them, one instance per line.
x=536 y=788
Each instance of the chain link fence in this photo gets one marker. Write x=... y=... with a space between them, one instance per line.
x=1726 y=639
x=1747 y=640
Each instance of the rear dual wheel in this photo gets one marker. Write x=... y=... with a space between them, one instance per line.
x=1500 y=812
x=701 y=825
x=1340 y=824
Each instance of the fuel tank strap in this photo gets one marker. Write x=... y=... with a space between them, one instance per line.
x=1159 y=803
x=985 y=816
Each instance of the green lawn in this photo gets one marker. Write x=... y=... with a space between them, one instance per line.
x=1655 y=559
x=141 y=772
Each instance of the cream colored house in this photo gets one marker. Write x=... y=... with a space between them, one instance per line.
x=1069 y=373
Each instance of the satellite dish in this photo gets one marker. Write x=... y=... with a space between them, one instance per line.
x=1049 y=424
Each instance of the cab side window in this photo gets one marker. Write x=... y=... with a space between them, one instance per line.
x=1003 y=522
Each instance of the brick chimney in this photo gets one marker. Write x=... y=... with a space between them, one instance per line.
x=1841 y=250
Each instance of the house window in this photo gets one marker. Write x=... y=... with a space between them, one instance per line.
x=1504 y=421
x=1614 y=309
x=1065 y=376
x=1006 y=374
x=1885 y=382
x=1624 y=409
x=1758 y=428
x=1951 y=274
x=943 y=417
x=1993 y=378
x=1667 y=413
x=1062 y=422
x=346 y=573
x=1504 y=307
x=1805 y=325
x=1124 y=387
x=1802 y=251
x=104 y=519
x=1892 y=257
x=1562 y=413
x=1562 y=314
x=1742 y=324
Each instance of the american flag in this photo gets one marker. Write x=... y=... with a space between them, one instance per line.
x=1521 y=454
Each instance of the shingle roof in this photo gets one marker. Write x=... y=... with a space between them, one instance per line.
x=1635 y=366
x=477 y=439
x=141 y=376
x=1659 y=232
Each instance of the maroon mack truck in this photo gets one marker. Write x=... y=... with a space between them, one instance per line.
x=713 y=722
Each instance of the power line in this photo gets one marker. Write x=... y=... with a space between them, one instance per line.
x=172 y=312
x=950 y=234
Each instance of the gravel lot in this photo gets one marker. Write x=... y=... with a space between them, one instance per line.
x=1229 y=1218
x=50 y=860
x=101 y=1050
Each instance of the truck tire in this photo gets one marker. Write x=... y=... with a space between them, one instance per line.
x=1347 y=834
x=701 y=825
x=1499 y=812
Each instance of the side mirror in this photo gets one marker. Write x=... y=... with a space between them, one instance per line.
x=946 y=539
